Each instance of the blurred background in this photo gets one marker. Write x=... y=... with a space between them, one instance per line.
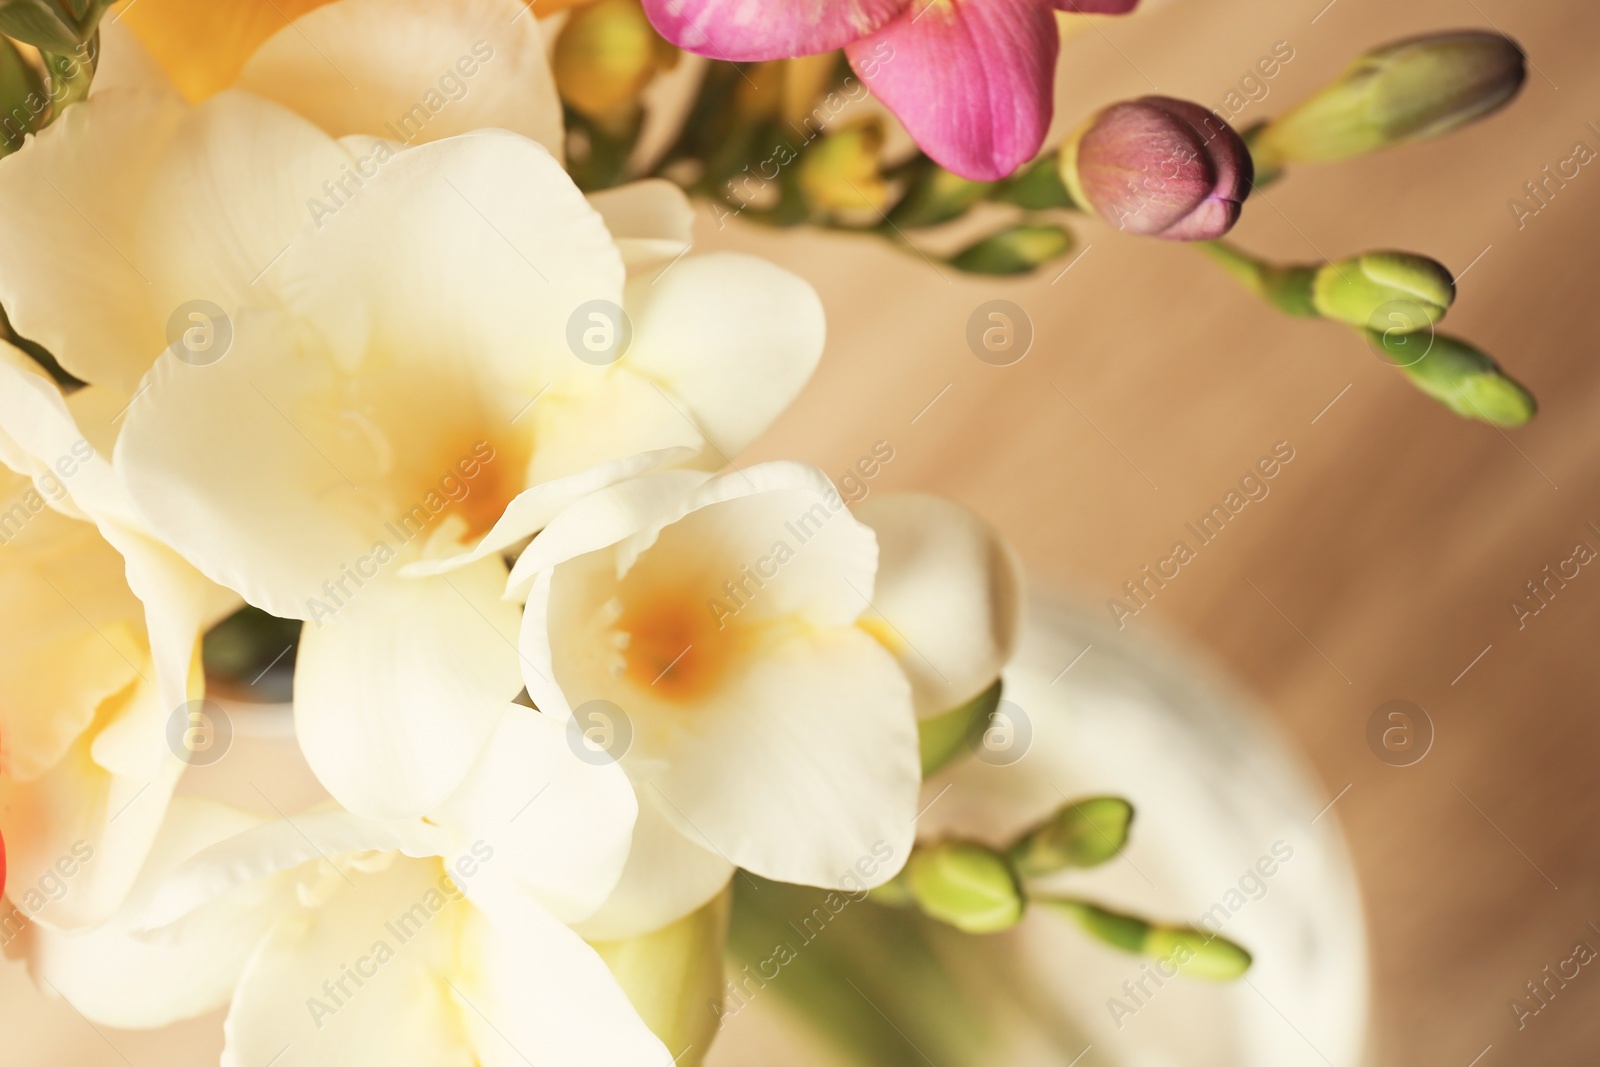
x=1383 y=564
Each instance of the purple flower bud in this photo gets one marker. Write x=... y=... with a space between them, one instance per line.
x=1160 y=167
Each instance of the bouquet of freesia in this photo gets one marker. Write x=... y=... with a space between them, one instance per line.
x=365 y=342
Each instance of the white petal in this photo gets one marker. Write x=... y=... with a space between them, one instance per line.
x=531 y=990
x=394 y=1008
x=79 y=806
x=734 y=337
x=668 y=876
x=949 y=597
x=807 y=763
x=78 y=190
x=227 y=199
x=602 y=518
x=118 y=979
x=557 y=824
x=595 y=414
x=263 y=849
x=532 y=509
x=230 y=464
x=393 y=711
x=413 y=70
x=652 y=221
x=471 y=253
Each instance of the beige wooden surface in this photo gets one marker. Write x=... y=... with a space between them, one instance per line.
x=1383 y=561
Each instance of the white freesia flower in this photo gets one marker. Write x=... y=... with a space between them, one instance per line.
x=763 y=684
x=398 y=394
x=98 y=650
x=343 y=942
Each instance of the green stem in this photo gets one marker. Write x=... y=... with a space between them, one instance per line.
x=1286 y=288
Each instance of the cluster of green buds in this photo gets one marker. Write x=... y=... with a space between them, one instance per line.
x=48 y=56
x=1404 y=92
x=982 y=890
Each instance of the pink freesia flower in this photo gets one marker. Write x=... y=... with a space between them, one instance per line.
x=971 y=79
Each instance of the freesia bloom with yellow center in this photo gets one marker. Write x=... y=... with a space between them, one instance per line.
x=338 y=940
x=408 y=386
x=757 y=657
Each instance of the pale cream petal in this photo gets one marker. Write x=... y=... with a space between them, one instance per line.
x=558 y=825
x=652 y=221
x=235 y=188
x=393 y=711
x=78 y=191
x=949 y=598
x=668 y=876
x=135 y=982
x=361 y=980
x=733 y=337
x=413 y=71
x=531 y=990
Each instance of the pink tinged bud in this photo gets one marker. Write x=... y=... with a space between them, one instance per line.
x=1161 y=167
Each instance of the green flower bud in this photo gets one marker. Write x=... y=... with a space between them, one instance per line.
x=1014 y=250
x=935 y=195
x=1391 y=291
x=966 y=885
x=1407 y=91
x=673 y=977
x=839 y=173
x=1186 y=950
x=1197 y=953
x=1085 y=833
x=1457 y=375
x=944 y=737
x=605 y=55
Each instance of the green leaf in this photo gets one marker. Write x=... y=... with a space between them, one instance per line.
x=18 y=82
x=45 y=25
